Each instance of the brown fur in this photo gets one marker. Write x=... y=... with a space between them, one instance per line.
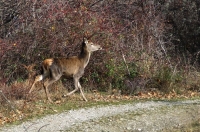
x=48 y=62
x=74 y=67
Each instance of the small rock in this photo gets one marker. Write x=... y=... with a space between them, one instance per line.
x=128 y=128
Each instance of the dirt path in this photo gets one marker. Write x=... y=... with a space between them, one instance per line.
x=144 y=116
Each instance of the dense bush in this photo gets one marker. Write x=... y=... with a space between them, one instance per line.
x=142 y=39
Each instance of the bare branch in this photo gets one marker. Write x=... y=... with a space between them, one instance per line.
x=8 y=101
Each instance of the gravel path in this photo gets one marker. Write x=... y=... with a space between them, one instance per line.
x=145 y=116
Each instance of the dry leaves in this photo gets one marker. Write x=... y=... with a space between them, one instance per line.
x=14 y=116
x=142 y=95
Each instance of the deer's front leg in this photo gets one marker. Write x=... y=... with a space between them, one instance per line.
x=76 y=86
x=79 y=85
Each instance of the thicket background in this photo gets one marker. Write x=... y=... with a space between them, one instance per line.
x=148 y=44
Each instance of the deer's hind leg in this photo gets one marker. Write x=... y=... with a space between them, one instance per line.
x=49 y=82
x=37 y=79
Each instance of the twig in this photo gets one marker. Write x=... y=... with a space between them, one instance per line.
x=132 y=86
x=126 y=64
x=26 y=129
x=42 y=127
x=95 y=3
x=12 y=106
x=196 y=59
x=165 y=52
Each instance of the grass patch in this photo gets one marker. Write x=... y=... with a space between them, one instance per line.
x=193 y=127
x=39 y=107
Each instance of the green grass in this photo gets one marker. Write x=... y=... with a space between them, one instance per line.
x=193 y=127
x=41 y=108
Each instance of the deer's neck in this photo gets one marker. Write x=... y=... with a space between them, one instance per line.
x=84 y=56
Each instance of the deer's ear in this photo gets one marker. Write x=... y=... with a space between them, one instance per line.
x=85 y=40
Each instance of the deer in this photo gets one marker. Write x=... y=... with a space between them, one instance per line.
x=74 y=66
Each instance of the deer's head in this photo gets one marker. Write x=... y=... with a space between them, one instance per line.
x=91 y=46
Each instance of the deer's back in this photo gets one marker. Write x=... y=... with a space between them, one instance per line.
x=67 y=66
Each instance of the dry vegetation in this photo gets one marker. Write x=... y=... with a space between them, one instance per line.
x=151 y=49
